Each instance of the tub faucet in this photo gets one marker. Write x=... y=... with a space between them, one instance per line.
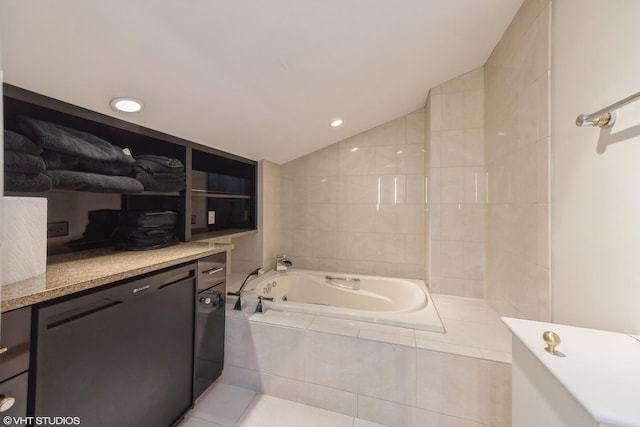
x=257 y=272
x=282 y=263
x=259 y=308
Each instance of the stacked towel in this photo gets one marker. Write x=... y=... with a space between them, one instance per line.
x=23 y=165
x=139 y=231
x=77 y=160
x=158 y=173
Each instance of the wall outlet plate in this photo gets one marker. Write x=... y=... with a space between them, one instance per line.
x=211 y=218
x=58 y=229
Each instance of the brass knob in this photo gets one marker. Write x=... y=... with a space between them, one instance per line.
x=553 y=340
x=205 y=300
x=6 y=403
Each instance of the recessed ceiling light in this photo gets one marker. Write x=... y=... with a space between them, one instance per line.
x=336 y=123
x=354 y=149
x=127 y=105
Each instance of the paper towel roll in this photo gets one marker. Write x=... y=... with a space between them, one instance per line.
x=24 y=238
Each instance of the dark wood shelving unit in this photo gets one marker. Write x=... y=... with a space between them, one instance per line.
x=234 y=210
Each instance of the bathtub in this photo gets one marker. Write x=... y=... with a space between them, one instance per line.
x=382 y=300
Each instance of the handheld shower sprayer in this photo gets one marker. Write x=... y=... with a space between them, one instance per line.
x=257 y=272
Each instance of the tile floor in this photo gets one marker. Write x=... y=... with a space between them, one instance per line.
x=229 y=406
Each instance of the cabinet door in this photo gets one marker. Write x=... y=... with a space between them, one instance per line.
x=15 y=388
x=14 y=341
x=127 y=362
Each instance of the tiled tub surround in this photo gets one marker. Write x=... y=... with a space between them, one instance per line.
x=388 y=375
x=382 y=300
x=359 y=205
x=457 y=186
x=517 y=155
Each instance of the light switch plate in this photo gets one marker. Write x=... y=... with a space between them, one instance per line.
x=57 y=229
x=211 y=218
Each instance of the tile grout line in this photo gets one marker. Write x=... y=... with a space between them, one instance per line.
x=235 y=424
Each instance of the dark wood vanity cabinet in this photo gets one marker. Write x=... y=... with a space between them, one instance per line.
x=15 y=343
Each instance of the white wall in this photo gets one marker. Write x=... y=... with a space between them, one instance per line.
x=596 y=187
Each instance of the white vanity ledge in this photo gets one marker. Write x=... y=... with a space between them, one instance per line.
x=601 y=370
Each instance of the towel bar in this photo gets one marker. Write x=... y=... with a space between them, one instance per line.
x=605 y=117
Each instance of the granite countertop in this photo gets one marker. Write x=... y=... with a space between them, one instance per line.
x=78 y=271
x=600 y=369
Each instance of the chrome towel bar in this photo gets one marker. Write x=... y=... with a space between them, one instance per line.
x=605 y=117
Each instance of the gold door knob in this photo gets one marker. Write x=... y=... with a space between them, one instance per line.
x=6 y=403
x=553 y=340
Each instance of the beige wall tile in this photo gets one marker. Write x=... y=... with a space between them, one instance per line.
x=464 y=387
x=399 y=159
x=436 y=148
x=463 y=110
x=357 y=212
x=436 y=112
x=415 y=128
x=357 y=161
x=462 y=260
x=462 y=185
x=461 y=287
x=463 y=223
x=332 y=399
x=471 y=81
x=517 y=117
x=357 y=217
x=463 y=147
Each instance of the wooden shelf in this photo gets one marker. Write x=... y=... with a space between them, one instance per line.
x=230 y=179
x=203 y=193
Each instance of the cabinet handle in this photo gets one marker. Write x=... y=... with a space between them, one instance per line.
x=3 y=350
x=140 y=289
x=213 y=271
x=6 y=403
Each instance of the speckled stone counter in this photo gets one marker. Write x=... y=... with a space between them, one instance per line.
x=74 y=272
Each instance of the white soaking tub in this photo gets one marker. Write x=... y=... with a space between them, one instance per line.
x=375 y=299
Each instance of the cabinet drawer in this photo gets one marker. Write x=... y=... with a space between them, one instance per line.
x=15 y=334
x=15 y=388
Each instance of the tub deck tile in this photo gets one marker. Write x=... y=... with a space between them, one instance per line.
x=389 y=338
x=462 y=350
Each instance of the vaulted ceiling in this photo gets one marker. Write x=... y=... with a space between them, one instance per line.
x=260 y=79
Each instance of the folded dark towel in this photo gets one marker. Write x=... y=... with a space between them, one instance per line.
x=60 y=161
x=144 y=232
x=70 y=141
x=148 y=219
x=26 y=182
x=15 y=161
x=147 y=245
x=106 y=168
x=155 y=164
x=161 y=186
x=16 y=142
x=86 y=181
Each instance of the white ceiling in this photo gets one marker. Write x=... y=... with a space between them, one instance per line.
x=260 y=79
